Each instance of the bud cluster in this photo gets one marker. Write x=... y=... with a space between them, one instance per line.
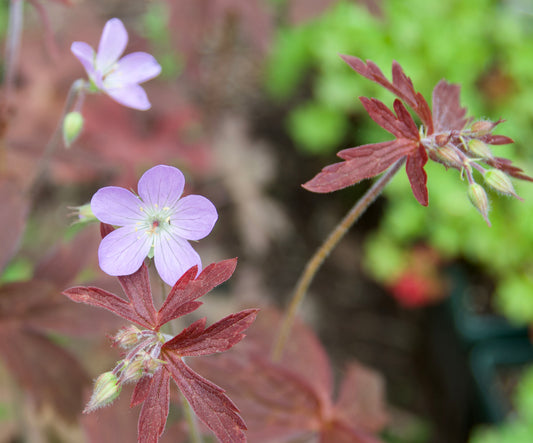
x=141 y=359
x=465 y=150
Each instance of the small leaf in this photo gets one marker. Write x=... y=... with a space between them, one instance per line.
x=154 y=411
x=361 y=162
x=103 y=299
x=448 y=115
x=188 y=289
x=417 y=176
x=137 y=288
x=207 y=400
x=219 y=337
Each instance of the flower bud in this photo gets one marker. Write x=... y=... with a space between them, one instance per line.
x=83 y=213
x=127 y=337
x=106 y=390
x=133 y=370
x=479 y=148
x=72 y=126
x=482 y=127
x=478 y=197
x=449 y=156
x=499 y=181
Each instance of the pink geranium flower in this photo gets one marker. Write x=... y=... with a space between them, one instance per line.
x=157 y=222
x=117 y=78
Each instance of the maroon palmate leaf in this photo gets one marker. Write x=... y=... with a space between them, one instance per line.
x=180 y=300
x=401 y=86
x=207 y=400
x=49 y=374
x=154 y=410
x=448 y=115
x=219 y=337
x=292 y=399
x=369 y=160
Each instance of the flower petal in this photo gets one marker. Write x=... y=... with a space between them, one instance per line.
x=123 y=251
x=117 y=206
x=112 y=44
x=133 y=68
x=85 y=54
x=132 y=96
x=173 y=256
x=194 y=217
x=161 y=186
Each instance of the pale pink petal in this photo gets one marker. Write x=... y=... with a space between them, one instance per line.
x=194 y=217
x=85 y=54
x=173 y=256
x=161 y=186
x=132 y=96
x=123 y=251
x=133 y=68
x=112 y=44
x=117 y=206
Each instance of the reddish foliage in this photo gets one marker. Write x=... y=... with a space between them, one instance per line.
x=29 y=310
x=208 y=401
x=292 y=399
x=445 y=126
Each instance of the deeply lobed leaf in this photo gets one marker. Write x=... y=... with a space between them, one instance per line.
x=154 y=411
x=219 y=337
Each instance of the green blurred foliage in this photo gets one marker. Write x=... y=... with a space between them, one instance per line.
x=519 y=428
x=484 y=45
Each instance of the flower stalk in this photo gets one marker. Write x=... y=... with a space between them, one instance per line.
x=314 y=264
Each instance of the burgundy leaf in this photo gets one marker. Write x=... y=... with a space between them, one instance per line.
x=103 y=299
x=50 y=374
x=13 y=214
x=188 y=289
x=401 y=126
x=401 y=86
x=417 y=176
x=63 y=263
x=219 y=337
x=137 y=288
x=361 y=398
x=448 y=115
x=39 y=305
x=361 y=162
x=342 y=432
x=142 y=388
x=154 y=411
x=105 y=229
x=207 y=400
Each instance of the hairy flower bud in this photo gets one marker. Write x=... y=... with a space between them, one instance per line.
x=482 y=127
x=106 y=390
x=478 y=197
x=479 y=148
x=127 y=337
x=449 y=156
x=72 y=126
x=499 y=181
x=83 y=213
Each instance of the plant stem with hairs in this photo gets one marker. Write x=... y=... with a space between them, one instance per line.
x=314 y=264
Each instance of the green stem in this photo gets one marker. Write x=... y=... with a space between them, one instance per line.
x=322 y=253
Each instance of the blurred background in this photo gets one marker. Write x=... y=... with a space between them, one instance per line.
x=254 y=100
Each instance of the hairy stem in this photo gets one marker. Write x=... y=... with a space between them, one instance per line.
x=313 y=265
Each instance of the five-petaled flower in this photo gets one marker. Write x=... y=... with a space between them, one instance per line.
x=156 y=222
x=117 y=78
x=153 y=358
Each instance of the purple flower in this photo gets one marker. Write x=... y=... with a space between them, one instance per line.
x=157 y=222
x=117 y=78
